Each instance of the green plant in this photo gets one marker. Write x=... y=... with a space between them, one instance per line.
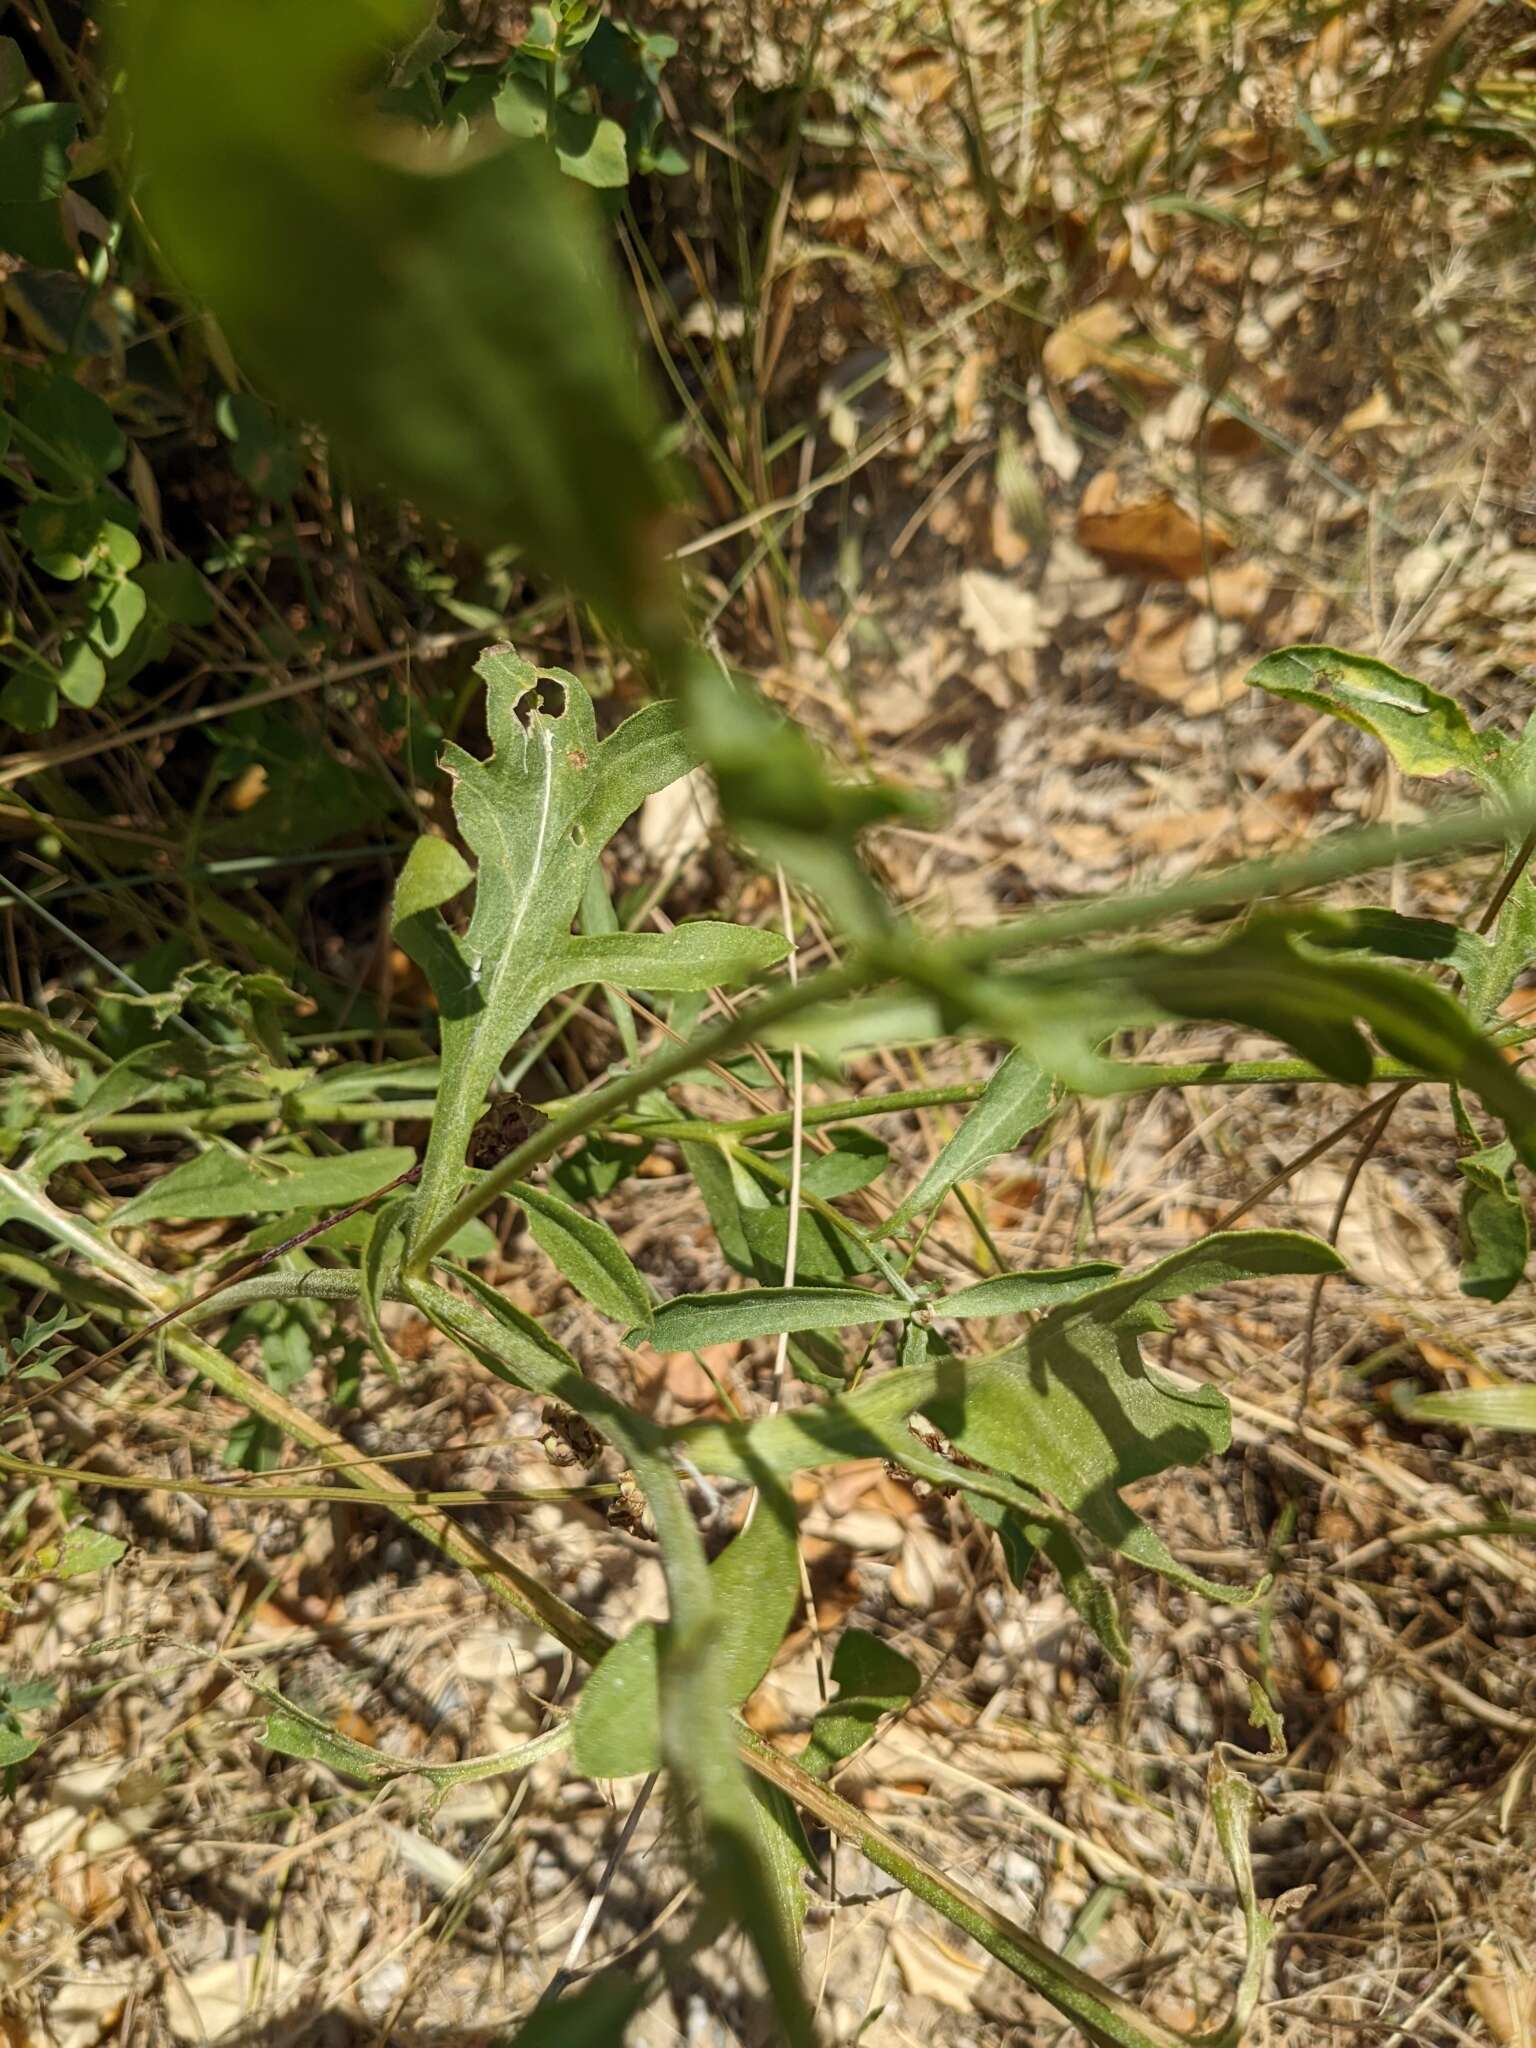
x=487 y=373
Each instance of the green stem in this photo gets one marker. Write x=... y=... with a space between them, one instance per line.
x=1338 y=858
x=605 y=1103
x=1134 y=1076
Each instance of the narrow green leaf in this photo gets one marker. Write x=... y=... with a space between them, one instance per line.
x=222 y=1183
x=380 y=1268
x=872 y=1681
x=445 y=314
x=1424 y=732
x=690 y=1322
x=786 y=1857
x=587 y=1253
x=291 y=1730
x=1015 y=1102
x=1018 y=1294
x=755 y=1582
x=1511 y=1408
x=68 y=434
x=1273 y=974
x=700 y=955
x=1495 y=1230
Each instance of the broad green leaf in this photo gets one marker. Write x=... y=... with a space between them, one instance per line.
x=591 y=148
x=1492 y=973
x=856 y=1159
x=81 y=677
x=13 y=72
x=587 y=1253
x=872 y=1681
x=81 y=1554
x=755 y=1582
x=1014 y=1102
x=115 y=619
x=34 y=148
x=1424 y=732
x=700 y=955
x=444 y=313
x=595 y=2016
x=34 y=169
x=1495 y=1230
x=537 y=814
x=1478 y=1408
x=30 y=698
x=690 y=1322
x=266 y=453
x=1018 y=1294
x=68 y=434
x=15 y=1747
x=220 y=1183
x=177 y=592
x=1072 y=1412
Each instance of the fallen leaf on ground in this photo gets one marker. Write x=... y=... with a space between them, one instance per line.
x=1172 y=653
x=1236 y=590
x=931 y=1969
x=1001 y=613
x=214 y=2000
x=1151 y=534
x=1385 y=1238
x=1084 y=340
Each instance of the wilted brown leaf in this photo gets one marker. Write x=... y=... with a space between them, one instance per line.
x=1151 y=534
x=1087 y=338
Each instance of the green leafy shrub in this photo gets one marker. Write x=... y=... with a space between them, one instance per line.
x=447 y=321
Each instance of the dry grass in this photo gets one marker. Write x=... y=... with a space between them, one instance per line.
x=1271 y=270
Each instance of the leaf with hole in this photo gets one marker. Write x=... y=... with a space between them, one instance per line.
x=537 y=814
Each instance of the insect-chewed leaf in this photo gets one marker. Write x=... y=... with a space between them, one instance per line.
x=1015 y=1102
x=537 y=815
x=445 y=316
x=1424 y=732
x=755 y=1581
